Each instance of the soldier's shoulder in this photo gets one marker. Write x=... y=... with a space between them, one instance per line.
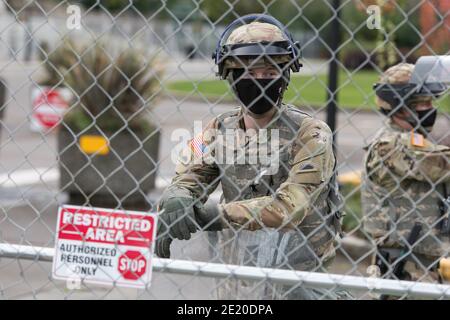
x=386 y=136
x=383 y=143
x=228 y=114
x=416 y=142
x=314 y=124
x=295 y=113
x=314 y=131
x=227 y=117
x=304 y=121
x=389 y=139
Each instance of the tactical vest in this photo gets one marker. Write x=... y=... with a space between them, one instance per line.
x=390 y=215
x=243 y=181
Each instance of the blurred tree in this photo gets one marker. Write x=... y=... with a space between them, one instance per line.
x=309 y=16
x=22 y=10
x=435 y=26
x=166 y=9
x=312 y=17
x=356 y=21
x=296 y=14
x=399 y=29
x=142 y=6
x=225 y=11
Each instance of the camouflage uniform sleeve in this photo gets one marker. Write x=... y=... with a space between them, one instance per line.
x=196 y=174
x=311 y=171
x=395 y=154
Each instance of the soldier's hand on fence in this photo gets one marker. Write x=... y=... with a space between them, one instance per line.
x=162 y=247
x=163 y=239
x=178 y=217
x=174 y=222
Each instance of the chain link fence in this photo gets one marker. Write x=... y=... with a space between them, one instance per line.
x=98 y=99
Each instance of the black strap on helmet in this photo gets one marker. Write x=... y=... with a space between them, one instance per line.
x=288 y=47
x=397 y=95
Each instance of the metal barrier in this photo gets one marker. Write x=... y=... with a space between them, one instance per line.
x=284 y=277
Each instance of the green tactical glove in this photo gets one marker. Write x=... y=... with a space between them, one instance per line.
x=175 y=221
x=162 y=247
x=178 y=217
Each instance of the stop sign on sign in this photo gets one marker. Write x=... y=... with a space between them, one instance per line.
x=132 y=265
x=49 y=106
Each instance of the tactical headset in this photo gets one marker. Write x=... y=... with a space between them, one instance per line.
x=397 y=95
x=287 y=47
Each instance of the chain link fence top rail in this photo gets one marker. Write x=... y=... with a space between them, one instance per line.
x=98 y=99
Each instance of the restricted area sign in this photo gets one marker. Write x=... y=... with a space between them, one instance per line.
x=104 y=246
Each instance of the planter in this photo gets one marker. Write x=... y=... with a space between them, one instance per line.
x=118 y=174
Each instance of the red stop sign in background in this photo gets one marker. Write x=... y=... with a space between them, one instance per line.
x=132 y=265
x=49 y=106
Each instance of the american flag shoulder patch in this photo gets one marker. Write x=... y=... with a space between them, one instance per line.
x=198 y=146
x=417 y=139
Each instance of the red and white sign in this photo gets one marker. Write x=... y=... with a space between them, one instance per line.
x=104 y=246
x=49 y=105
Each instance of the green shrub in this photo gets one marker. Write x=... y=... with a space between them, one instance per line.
x=113 y=86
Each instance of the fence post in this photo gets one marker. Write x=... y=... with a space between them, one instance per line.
x=332 y=95
x=2 y=102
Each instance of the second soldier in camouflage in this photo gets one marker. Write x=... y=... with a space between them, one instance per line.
x=406 y=181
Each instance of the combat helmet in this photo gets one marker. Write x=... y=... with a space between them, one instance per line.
x=396 y=76
x=254 y=41
x=405 y=82
x=256 y=37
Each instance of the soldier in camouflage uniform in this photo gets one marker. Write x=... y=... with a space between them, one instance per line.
x=279 y=213
x=406 y=181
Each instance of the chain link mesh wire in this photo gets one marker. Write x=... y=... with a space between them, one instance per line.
x=135 y=72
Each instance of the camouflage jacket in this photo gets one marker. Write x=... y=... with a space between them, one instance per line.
x=403 y=183
x=296 y=194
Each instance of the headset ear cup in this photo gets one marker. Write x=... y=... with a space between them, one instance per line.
x=231 y=77
x=286 y=80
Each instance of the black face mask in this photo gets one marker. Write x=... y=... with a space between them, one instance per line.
x=259 y=95
x=425 y=119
